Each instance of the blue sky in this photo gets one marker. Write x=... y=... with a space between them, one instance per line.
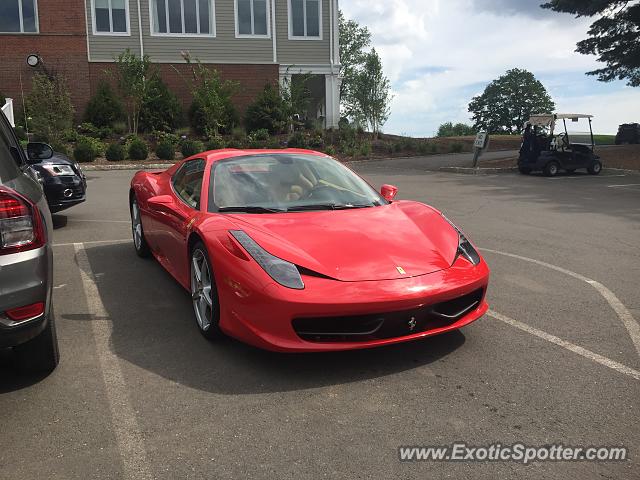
x=438 y=54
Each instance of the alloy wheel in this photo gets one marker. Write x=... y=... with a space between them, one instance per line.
x=201 y=285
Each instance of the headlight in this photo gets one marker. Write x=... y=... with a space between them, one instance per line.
x=464 y=246
x=56 y=170
x=283 y=272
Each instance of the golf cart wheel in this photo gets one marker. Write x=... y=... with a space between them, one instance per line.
x=595 y=168
x=524 y=170
x=551 y=169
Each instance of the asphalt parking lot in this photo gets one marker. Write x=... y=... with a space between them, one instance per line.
x=140 y=394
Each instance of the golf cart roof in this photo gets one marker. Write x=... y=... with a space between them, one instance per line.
x=548 y=118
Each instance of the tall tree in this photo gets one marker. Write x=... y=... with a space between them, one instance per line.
x=132 y=77
x=371 y=94
x=507 y=102
x=614 y=37
x=354 y=40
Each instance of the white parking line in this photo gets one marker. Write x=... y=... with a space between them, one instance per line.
x=622 y=186
x=73 y=220
x=623 y=313
x=607 y=362
x=577 y=177
x=127 y=431
x=95 y=242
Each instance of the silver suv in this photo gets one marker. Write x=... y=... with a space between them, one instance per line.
x=26 y=260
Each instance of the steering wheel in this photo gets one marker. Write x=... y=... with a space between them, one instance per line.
x=313 y=193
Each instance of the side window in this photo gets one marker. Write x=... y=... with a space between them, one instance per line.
x=187 y=182
x=10 y=157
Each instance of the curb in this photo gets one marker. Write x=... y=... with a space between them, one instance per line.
x=126 y=166
x=478 y=170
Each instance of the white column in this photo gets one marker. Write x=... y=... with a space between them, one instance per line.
x=7 y=109
x=332 y=98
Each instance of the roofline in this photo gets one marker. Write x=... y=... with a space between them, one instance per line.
x=217 y=155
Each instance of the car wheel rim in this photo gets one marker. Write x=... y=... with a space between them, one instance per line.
x=553 y=169
x=596 y=167
x=201 y=287
x=136 y=225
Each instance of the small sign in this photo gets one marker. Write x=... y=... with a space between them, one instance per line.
x=481 y=140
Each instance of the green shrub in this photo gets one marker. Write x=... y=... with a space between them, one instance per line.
x=49 y=106
x=330 y=150
x=261 y=135
x=297 y=140
x=191 y=147
x=120 y=127
x=215 y=143
x=115 y=152
x=166 y=137
x=455 y=147
x=62 y=148
x=21 y=133
x=165 y=150
x=365 y=149
x=87 y=149
x=137 y=149
x=161 y=109
x=274 y=143
x=267 y=112
x=316 y=140
x=104 y=108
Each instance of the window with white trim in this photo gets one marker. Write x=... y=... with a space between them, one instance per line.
x=305 y=19
x=111 y=17
x=252 y=18
x=19 y=16
x=182 y=17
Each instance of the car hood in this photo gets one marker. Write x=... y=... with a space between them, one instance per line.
x=399 y=240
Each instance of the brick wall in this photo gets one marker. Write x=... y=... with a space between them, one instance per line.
x=251 y=79
x=62 y=46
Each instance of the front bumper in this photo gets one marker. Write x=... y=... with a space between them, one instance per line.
x=64 y=191
x=265 y=318
x=25 y=278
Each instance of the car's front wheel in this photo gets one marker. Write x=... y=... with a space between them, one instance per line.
x=595 y=168
x=40 y=354
x=204 y=293
x=139 y=242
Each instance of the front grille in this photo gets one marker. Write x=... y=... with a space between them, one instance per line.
x=364 y=328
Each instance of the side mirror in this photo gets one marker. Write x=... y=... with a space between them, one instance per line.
x=388 y=192
x=160 y=201
x=37 y=151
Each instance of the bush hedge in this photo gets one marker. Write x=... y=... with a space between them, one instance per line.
x=267 y=112
x=87 y=149
x=137 y=149
x=166 y=150
x=104 y=108
x=191 y=147
x=115 y=152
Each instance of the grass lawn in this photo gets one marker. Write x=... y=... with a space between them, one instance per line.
x=604 y=139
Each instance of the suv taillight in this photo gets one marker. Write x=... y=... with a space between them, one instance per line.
x=21 y=225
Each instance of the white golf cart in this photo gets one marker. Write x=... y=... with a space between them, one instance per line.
x=545 y=150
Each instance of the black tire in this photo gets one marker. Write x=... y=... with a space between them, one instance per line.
x=551 y=169
x=141 y=247
x=40 y=354
x=212 y=331
x=524 y=170
x=595 y=168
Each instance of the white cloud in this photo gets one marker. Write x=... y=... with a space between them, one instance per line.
x=438 y=54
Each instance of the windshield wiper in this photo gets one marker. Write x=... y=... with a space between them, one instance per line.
x=327 y=206
x=250 y=209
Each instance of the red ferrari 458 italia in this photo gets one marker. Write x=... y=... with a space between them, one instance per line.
x=289 y=250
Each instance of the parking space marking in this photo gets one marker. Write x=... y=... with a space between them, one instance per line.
x=95 y=242
x=576 y=177
x=630 y=323
x=127 y=431
x=74 y=220
x=567 y=345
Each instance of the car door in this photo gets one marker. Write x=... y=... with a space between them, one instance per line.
x=186 y=185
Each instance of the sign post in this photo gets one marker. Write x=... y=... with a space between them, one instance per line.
x=479 y=145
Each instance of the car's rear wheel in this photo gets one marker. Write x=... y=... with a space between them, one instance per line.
x=204 y=293
x=139 y=242
x=595 y=168
x=40 y=354
x=551 y=169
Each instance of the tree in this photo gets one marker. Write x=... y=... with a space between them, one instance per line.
x=161 y=109
x=49 y=106
x=104 y=108
x=448 y=129
x=132 y=76
x=354 y=40
x=268 y=111
x=507 y=102
x=614 y=37
x=370 y=95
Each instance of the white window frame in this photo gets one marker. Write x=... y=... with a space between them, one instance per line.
x=252 y=35
x=111 y=33
x=305 y=37
x=21 y=19
x=212 y=21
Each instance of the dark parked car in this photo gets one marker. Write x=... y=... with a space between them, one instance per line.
x=26 y=260
x=628 y=133
x=63 y=181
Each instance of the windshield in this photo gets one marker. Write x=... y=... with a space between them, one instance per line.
x=285 y=182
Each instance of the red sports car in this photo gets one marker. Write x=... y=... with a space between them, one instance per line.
x=289 y=250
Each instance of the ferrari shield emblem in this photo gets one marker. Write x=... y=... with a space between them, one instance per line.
x=401 y=271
